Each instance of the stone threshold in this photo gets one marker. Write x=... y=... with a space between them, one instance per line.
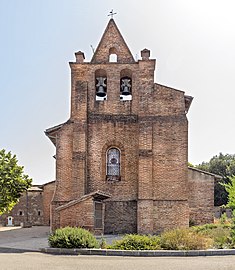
x=139 y=253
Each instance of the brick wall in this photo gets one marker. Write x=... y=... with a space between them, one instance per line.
x=80 y=214
x=170 y=214
x=48 y=192
x=120 y=217
x=145 y=217
x=110 y=37
x=151 y=132
x=201 y=196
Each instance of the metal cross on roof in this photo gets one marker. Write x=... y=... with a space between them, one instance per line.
x=111 y=13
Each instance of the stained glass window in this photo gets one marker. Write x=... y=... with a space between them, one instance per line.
x=113 y=162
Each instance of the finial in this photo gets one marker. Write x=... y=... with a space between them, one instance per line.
x=111 y=13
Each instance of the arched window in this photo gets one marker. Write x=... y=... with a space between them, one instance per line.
x=113 y=164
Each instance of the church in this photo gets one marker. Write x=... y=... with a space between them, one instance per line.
x=122 y=156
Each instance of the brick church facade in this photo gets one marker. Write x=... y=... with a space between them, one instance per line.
x=121 y=158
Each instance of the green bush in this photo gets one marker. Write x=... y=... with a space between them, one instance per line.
x=220 y=234
x=72 y=238
x=103 y=243
x=137 y=242
x=184 y=239
x=205 y=228
x=223 y=219
x=221 y=237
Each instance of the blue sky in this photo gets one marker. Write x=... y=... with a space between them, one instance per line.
x=193 y=42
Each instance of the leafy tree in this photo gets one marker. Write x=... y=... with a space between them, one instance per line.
x=230 y=188
x=223 y=165
x=13 y=181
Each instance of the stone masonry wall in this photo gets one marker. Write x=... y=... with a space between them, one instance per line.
x=29 y=210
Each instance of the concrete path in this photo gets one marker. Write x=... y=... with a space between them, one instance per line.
x=32 y=239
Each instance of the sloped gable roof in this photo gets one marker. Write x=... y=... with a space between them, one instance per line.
x=98 y=195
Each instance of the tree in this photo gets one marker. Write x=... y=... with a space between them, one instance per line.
x=230 y=188
x=13 y=181
x=223 y=165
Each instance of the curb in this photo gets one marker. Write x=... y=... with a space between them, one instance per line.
x=16 y=250
x=139 y=253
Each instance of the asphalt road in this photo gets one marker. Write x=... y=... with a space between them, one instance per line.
x=39 y=261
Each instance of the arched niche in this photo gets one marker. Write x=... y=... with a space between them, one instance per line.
x=113 y=57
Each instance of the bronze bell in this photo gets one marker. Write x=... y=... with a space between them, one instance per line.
x=100 y=91
x=126 y=91
x=126 y=86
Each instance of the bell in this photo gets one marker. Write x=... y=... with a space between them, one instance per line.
x=101 y=92
x=126 y=91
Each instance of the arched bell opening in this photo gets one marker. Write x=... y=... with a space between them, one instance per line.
x=126 y=84
x=101 y=84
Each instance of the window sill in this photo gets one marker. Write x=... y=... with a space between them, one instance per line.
x=111 y=178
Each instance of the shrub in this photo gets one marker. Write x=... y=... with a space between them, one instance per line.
x=221 y=237
x=221 y=234
x=205 y=228
x=72 y=238
x=223 y=219
x=137 y=242
x=184 y=239
x=103 y=243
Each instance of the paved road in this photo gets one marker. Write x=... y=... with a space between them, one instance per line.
x=38 y=261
